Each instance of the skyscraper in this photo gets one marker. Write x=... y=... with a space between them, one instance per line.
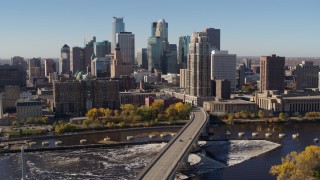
x=142 y=58
x=306 y=75
x=183 y=51
x=34 y=68
x=64 y=62
x=50 y=66
x=101 y=67
x=76 y=59
x=89 y=41
x=126 y=44
x=223 y=66
x=120 y=67
x=199 y=66
x=117 y=27
x=213 y=37
x=272 y=73
x=160 y=52
x=101 y=49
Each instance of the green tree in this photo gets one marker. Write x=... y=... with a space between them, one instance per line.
x=15 y=123
x=261 y=114
x=45 y=120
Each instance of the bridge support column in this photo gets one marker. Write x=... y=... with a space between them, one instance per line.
x=184 y=165
x=195 y=146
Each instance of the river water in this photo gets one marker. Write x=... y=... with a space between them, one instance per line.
x=125 y=162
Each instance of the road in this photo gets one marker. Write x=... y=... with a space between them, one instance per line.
x=175 y=151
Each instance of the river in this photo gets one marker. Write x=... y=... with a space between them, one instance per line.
x=125 y=162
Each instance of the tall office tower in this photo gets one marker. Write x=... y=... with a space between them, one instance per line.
x=101 y=67
x=241 y=72
x=101 y=49
x=247 y=63
x=18 y=61
x=306 y=75
x=34 y=68
x=223 y=66
x=155 y=53
x=170 y=65
x=199 y=66
x=213 y=37
x=89 y=41
x=117 y=27
x=76 y=59
x=142 y=58
x=126 y=44
x=272 y=73
x=64 y=62
x=160 y=52
x=183 y=79
x=220 y=88
x=183 y=51
x=161 y=30
x=49 y=67
x=12 y=75
x=88 y=53
x=120 y=67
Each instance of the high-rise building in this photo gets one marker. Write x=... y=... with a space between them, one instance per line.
x=34 y=68
x=78 y=97
x=199 y=66
x=126 y=44
x=142 y=58
x=213 y=37
x=64 y=62
x=76 y=59
x=170 y=62
x=18 y=61
x=101 y=49
x=118 y=66
x=12 y=75
x=183 y=51
x=50 y=67
x=241 y=72
x=117 y=27
x=306 y=75
x=89 y=41
x=160 y=52
x=223 y=66
x=272 y=73
x=155 y=53
x=247 y=63
x=101 y=67
x=220 y=88
x=88 y=53
x=183 y=78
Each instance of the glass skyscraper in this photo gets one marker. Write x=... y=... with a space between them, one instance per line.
x=117 y=27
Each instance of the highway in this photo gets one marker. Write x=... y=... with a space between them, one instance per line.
x=166 y=162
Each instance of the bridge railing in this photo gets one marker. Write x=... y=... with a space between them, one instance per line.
x=189 y=146
x=163 y=150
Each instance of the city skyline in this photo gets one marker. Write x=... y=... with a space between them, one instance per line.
x=40 y=29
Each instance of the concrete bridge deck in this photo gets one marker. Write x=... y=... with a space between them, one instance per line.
x=167 y=161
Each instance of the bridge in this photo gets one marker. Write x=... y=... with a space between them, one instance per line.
x=174 y=156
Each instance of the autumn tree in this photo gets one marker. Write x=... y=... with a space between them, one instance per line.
x=304 y=165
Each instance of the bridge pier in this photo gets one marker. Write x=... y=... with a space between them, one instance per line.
x=184 y=165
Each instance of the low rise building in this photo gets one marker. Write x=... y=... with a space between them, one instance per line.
x=135 y=98
x=289 y=102
x=229 y=106
x=27 y=108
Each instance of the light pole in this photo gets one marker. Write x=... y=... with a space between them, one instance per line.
x=23 y=176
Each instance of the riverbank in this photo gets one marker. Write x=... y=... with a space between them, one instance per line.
x=271 y=120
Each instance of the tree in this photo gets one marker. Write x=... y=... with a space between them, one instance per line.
x=158 y=105
x=44 y=120
x=15 y=123
x=172 y=111
x=304 y=165
x=261 y=114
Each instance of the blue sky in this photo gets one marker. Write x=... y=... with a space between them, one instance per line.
x=39 y=28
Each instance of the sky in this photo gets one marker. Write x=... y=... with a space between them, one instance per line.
x=39 y=28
